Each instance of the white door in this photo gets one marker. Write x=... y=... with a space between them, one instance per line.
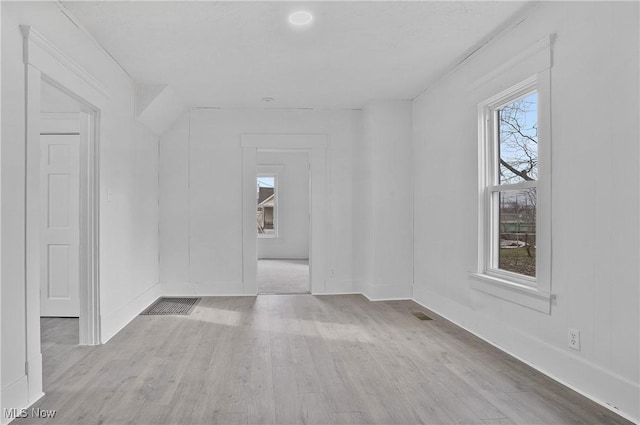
x=59 y=255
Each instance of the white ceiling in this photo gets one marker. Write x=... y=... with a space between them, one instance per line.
x=233 y=54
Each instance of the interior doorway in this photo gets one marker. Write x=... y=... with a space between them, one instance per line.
x=62 y=131
x=52 y=78
x=61 y=227
x=282 y=221
x=315 y=146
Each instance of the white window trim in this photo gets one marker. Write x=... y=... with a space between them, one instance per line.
x=272 y=171
x=534 y=293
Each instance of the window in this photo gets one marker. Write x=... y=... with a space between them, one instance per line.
x=514 y=196
x=512 y=184
x=267 y=206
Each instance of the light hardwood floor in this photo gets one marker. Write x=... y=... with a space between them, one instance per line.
x=60 y=349
x=282 y=276
x=305 y=359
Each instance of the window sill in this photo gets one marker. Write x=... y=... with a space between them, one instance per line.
x=514 y=292
x=267 y=236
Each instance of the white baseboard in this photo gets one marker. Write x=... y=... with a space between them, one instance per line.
x=112 y=323
x=217 y=289
x=585 y=377
x=34 y=379
x=177 y=289
x=180 y=294
x=221 y=289
x=386 y=292
x=386 y=299
x=337 y=285
x=283 y=258
x=15 y=396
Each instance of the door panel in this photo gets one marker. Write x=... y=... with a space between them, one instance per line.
x=59 y=200
x=60 y=231
x=59 y=267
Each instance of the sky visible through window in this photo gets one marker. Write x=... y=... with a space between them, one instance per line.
x=518 y=123
x=265 y=182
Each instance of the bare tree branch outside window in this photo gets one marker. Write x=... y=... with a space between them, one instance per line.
x=518 y=123
x=518 y=162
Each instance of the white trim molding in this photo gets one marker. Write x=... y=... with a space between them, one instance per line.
x=90 y=326
x=538 y=55
x=34 y=38
x=534 y=63
x=270 y=169
x=524 y=295
x=316 y=146
x=116 y=320
x=60 y=123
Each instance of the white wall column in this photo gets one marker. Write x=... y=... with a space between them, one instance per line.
x=388 y=211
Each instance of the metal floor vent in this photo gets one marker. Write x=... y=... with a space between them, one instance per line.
x=420 y=315
x=171 y=306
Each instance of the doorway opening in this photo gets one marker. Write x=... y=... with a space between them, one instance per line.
x=64 y=133
x=52 y=78
x=282 y=222
x=315 y=147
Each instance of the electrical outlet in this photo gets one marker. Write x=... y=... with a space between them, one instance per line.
x=332 y=273
x=574 y=339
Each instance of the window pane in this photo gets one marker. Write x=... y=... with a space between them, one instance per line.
x=517 y=227
x=518 y=140
x=266 y=205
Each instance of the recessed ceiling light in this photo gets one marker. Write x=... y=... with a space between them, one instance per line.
x=300 y=18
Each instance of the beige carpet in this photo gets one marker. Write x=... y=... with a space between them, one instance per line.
x=283 y=276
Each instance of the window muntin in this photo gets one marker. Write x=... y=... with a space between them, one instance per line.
x=266 y=206
x=512 y=186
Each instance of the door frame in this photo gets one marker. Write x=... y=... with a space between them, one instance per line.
x=277 y=170
x=44 y=61
x=316 y=147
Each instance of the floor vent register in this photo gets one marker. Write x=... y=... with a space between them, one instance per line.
x=420 y=315
x=171 y=306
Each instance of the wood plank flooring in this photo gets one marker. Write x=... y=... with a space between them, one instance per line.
x=282 y=276
x=288 y=359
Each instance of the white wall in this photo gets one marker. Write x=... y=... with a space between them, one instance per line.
x=594 y=123
x=13 y=291
x=1 y=233
x=383 y=219
x=292 y=207
x=129 y=271
x=128 y=223
x=201 y=194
